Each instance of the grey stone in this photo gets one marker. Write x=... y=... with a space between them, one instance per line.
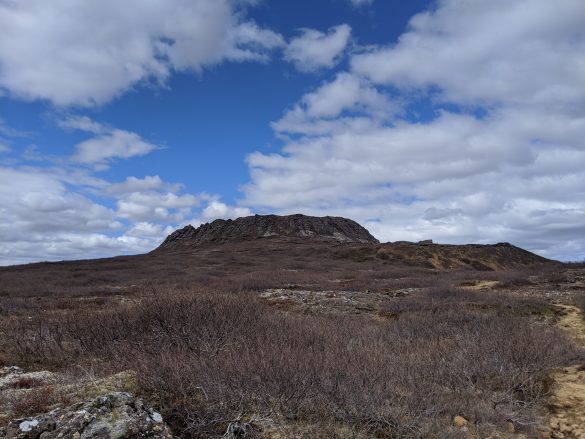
x=114 y=416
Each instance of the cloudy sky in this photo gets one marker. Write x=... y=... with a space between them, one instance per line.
x=453 y=120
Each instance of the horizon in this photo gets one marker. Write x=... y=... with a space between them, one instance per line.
x=425 y=241
x=120 y=123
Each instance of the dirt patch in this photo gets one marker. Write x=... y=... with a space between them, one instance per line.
x=573 y=322
x=568 y=402
x=480 y=285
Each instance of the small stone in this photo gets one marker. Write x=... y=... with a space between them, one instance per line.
x=460 y=421
x=28 y=425
x=510 y=428
x=156 y=417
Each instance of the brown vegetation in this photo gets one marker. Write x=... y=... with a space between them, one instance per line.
x=354 y=344
x=208 y=360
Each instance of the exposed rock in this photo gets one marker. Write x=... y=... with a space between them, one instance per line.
x=14 y=377
x=264 y=226
x=116 y=415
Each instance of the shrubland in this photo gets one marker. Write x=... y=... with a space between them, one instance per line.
x=210 y=360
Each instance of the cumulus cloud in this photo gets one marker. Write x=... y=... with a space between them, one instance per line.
x=249 y=42
x=216 y=209
x=36 y=200
x=498 y=156
x=146 y=229
x=151 y=205
x=56 y=213
x=43 y=218
x=115 y=144
x=535 y=57
x=319 y=111
x=148 y=183
x=107 y=144
x=87 y=53
x=313 y=50
x=61 y=209
x=81 y=123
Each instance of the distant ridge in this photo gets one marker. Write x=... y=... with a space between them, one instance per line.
x=263 y=226
x=482 y=257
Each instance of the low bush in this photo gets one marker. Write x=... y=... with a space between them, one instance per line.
x=207 y=360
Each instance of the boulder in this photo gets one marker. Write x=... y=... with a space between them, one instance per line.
x=116 y=415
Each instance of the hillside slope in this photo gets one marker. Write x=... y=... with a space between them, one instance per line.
x=266 y=252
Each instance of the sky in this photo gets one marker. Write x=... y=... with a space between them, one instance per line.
x=453 y=120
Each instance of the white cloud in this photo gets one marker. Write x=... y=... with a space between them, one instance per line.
x=107 y=144
x=114 y=144
x=60 y=209
x=151 y=230
x=313 y=50
x=148 y=183
x=35 y=201
x=71 y=245
x=4 y=147
x=506 y=163
x=346 y=93
x=55 y=214
x=161 y=206
x=149 y=199
x=216 y=209
x=249 y=42
x=81 y=123
x=534 y=57
x=87 y=53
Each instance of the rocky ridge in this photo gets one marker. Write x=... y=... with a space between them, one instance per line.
x=264 y=226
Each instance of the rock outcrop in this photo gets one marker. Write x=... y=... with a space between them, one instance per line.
x=14 y=378
x=263 y=226
x=115 y=416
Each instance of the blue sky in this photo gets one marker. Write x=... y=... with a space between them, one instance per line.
x=459 y=121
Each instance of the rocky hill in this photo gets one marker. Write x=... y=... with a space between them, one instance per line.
x=220 y=231
x=260 y=252
x=501 y=256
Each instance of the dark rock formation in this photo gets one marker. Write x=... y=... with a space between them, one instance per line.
x=264 y=226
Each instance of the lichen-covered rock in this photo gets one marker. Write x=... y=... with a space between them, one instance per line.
x=113 y=416
x=15 y=377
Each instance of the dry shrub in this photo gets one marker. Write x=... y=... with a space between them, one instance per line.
x=34 y=402
x=208 y=360
x=580 y=301
x=27 y=383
